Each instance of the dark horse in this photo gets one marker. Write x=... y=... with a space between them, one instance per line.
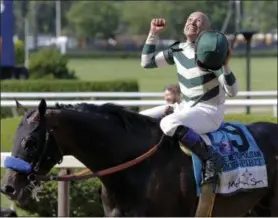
x=107 y=135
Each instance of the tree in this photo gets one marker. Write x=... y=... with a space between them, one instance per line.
x=260 y=15
x=93 y=19
x=175 y=12
x=137 y=15
x=44 y=16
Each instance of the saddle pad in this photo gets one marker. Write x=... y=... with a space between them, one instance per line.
x=243 y=164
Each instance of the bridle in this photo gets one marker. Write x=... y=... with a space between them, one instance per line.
x=32 y=172
x=40 y=159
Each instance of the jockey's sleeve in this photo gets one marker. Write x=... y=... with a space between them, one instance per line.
x=228 y=80
x=151 y=60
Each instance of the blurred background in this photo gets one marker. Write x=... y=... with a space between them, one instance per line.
x=95 y=46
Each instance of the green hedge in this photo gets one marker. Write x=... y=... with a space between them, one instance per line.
x=126 y=54
x=84 y=195
x=66 y=86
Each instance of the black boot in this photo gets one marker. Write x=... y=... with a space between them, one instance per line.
x=196 y=144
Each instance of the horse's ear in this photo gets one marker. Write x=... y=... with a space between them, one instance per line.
x=19 y=107
x=51 y=116
x=42 y=108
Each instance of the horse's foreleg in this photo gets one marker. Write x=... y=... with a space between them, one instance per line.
x=108 y=208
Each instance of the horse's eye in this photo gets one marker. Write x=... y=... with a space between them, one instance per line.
x=29 y=144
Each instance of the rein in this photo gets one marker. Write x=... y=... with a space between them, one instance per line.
x=16 y=163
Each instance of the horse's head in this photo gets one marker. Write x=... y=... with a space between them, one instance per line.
x=34 y=152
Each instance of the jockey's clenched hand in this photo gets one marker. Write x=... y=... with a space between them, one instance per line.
x=157 y=25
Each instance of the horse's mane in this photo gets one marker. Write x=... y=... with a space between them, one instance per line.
x=125 y=116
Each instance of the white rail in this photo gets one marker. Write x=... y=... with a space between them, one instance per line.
x=22 y=95
x=235 y=102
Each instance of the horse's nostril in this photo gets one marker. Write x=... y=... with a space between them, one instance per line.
x=7 y=189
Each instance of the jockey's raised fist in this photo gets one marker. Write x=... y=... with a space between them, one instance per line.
x=157 y=25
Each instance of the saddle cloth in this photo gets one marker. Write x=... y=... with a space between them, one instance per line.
x=243 y=163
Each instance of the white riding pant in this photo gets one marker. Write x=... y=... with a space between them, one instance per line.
x=202 y=118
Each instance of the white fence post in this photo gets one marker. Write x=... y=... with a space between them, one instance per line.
x=64 y=195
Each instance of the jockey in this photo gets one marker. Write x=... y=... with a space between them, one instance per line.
x=204 y=76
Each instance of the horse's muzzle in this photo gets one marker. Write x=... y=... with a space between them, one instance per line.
x=8 y=190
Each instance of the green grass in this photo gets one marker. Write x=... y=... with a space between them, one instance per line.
x=263 y=72
x=8 y=129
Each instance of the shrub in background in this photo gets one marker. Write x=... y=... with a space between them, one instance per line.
x=49 y=63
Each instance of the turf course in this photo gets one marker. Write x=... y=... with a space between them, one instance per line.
x=263 y=72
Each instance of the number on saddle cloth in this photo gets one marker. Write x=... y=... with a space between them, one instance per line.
x=237 y=132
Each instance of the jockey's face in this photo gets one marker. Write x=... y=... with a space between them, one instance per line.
x=195 y=24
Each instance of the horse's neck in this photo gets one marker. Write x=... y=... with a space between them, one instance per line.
x=168 y=163
x=116 y=148
x=133 y=181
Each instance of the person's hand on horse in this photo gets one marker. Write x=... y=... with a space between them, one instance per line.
x=157 y=25
x=169 y=109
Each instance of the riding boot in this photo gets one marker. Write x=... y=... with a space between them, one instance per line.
x=196 y=144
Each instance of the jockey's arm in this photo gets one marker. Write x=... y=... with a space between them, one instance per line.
x=228 y=80
x=151 y=60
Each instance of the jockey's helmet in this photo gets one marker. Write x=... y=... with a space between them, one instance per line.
x=211 y=49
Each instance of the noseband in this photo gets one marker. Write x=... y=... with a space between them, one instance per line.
x=32 y=169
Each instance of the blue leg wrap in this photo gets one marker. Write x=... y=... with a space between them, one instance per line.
x=190 y=137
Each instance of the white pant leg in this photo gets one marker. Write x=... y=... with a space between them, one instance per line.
x=202 y=119
x=155 y=112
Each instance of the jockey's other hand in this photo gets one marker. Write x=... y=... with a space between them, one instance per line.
x=157 y=25
x=169 y=109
